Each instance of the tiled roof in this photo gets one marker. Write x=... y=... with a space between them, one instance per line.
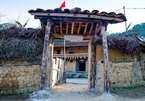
x=78 y=11
x=68 y=44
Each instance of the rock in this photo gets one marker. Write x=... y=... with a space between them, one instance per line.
x=43 y=94
x=47 y=88
x=106 y=97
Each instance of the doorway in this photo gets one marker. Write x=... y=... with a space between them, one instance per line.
x=80 y=65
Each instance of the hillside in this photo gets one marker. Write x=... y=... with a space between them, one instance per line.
x=137 y=30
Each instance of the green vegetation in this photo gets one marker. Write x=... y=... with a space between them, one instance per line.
x=132 y=91
x=137 y=30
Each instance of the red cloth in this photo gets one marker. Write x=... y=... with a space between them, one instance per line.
x=62 y=5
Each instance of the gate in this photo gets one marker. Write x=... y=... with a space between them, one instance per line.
x=58 y=72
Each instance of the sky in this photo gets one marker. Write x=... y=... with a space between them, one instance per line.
x=18 y=10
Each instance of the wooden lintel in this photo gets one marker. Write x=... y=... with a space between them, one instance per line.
x=78 y=31
x=72 y=28
x=61 y=36
x=91 y=29
x=66 y=27
x=85 y=28
x=60 y=27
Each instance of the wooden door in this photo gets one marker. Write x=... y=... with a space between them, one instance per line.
x=58 y=72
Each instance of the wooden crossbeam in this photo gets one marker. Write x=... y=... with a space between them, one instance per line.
x=79 y=27
x=85 y=28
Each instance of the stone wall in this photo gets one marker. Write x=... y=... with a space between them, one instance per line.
x=16 y=79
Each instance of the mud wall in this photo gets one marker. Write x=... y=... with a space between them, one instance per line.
x=18 y=78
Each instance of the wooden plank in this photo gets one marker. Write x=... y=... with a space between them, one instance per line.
x=60 y=27
x=85 y=28
x=91 y=28
x=59 y=36
x=44 y=69
x=77 y=16
x=78 y=31
x=72 y=28
x=89 y=64
x=106 y=61
x=66 y=27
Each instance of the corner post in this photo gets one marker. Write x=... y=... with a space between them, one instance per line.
x=106 y=61
x=45 y=67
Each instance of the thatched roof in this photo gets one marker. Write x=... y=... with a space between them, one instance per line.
x=28 y=43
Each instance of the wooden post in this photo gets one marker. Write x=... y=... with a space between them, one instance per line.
x=45 y=57
x=106 y=62
x=50 y=62
x=89 y=64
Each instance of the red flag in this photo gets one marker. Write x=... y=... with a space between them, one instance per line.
x=62 y=5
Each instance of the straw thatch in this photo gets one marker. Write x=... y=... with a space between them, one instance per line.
x=127 y=44
x=28 y=43
x=21 y=43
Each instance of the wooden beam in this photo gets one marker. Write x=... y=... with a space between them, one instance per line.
x=89 y=64
x=93 y=63
x=44 y=79
x=61 y=36
x=66 y=27
x=106 y=61
x=85 y=28
x=77 y=16
x=72 y=28
x=98 y=28
x=60 y=27
x=79 y=27
x=91 y=28
x=50 y=62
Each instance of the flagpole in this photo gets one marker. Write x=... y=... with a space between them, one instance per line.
x=125 y=21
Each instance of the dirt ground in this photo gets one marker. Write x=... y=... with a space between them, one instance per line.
x=76 y=90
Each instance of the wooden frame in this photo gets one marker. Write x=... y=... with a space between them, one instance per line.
x=77 y=28
x=77 y=16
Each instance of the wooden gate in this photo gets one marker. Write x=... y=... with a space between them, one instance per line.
x=58 y=73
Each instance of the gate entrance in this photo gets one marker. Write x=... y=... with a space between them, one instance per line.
x=90 y=25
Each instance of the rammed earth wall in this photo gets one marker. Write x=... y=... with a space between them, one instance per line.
x=19 y=78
